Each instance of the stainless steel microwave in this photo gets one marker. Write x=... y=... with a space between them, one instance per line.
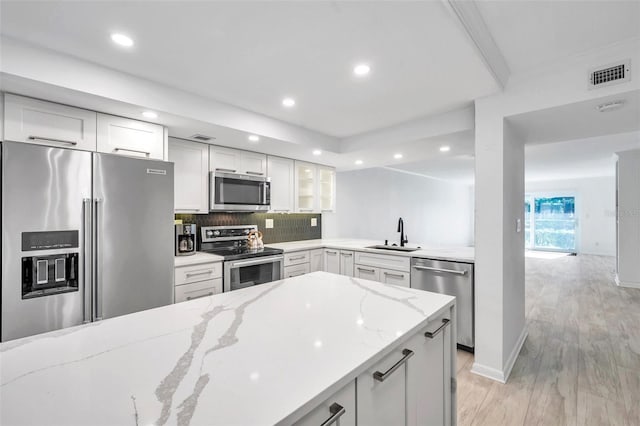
x=235 y=192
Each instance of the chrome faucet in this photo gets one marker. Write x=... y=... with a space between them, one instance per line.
x=403 y=237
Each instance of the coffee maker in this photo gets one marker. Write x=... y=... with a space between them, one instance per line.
x=185 y=239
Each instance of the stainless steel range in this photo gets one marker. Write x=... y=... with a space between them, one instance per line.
x=243 y=267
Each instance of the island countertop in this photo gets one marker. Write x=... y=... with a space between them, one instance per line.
x=261 y=355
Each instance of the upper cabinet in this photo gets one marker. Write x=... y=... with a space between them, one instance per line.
x=326 y=189
x=46 y=123
x=306 y=187
x=315 y=188
x=230 y=160
x=191 y=171
x=282 y=174
x=118 y=135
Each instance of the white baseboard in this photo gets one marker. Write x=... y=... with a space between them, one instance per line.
x=627 y=284
x=502 y=375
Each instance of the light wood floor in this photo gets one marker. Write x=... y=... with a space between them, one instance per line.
x=580 y=364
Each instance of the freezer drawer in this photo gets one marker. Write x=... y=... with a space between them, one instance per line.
x=453 y=279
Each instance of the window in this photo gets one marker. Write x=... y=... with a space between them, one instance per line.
x=550 y=222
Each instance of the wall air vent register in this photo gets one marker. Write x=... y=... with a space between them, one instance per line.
x=610 y=74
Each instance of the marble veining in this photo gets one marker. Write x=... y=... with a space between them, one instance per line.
x=273 y=348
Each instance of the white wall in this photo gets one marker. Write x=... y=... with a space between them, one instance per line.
x=370 y=201
x=628 y=273
x=595 y=207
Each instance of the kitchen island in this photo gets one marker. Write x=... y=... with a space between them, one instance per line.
x=279 y=353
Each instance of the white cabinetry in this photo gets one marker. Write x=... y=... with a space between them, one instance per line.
x=411 y=385
x=282 y=174
x=383 y=268
x=628 y=218
x=306 y=187
x=119 y=135
x=191 y=175
x=230 y=160
x=315 y=188
x=326 y=189
x=339 y=409
x=199 y=280
x=316 y=260
x=338 y=262
x=296 y=270
x=46 y=123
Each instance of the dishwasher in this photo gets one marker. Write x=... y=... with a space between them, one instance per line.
x=453 y=279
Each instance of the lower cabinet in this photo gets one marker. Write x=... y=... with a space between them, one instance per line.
x=346 y=263
x=296 y=270
x=198 y=280
x=400 y=278
x=316 y=260
x=410 y=386
x=383 y=268
x=332 y=261
x=339 y=409
x=367 y=273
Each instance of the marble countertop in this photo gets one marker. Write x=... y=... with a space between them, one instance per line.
x=195 y=259
x=261 y=355
x=456 y=254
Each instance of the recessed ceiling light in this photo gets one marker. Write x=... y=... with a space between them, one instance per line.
x=361 y=70
x=150 y=114
x=358 y=162
x=317 y=152
x=288 y=102
x=445 y=148
x=122 y=40
x=397 y=156
x=254 y=138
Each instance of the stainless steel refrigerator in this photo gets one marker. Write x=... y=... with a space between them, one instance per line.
x=85 y=237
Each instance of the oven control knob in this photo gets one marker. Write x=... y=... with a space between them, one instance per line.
x=216 y=233
x=246 y=232
x=209 y=234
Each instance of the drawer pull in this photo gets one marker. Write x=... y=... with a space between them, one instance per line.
x=202 y=295
x=381 y=377
x=225 y=170
x=433 y=334
x=255 y=173
x=336 y=411
x=295 y=274
x=366 y=270
x=332 y=252
x=347 y=254
x=195 y=274
x=42 y=138
x=429 y=268
x=137 y=151
x=394 y=275
x=297 y=258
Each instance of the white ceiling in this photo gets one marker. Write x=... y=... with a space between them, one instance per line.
x=536 y=33
x=253 y=53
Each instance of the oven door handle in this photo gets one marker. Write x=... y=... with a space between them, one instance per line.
x=261 y=261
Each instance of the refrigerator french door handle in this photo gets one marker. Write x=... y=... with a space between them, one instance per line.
x=97 y=284
x=86 y=265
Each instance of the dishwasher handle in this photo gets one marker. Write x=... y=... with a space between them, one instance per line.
x=448 y=271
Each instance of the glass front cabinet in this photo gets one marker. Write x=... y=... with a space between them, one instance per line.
x=315 y=188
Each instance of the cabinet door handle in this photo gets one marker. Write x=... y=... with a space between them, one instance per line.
x=336 y=411
x=197 y=297
x=429 y=268
x=146 y=153
x=282 y=211
x=432 y=334
x=195 y=274
x=225 y=170
x=332 y=252
x=306 y=210
x=381 y=377
x=297 y=258
x=366 y=270
x=254 y=173
x=42 y=138
x=388 y=274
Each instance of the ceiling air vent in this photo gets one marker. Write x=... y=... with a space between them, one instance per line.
x=201 y=138
x=610 y=74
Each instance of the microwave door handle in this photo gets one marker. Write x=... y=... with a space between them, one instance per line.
x=270 y=259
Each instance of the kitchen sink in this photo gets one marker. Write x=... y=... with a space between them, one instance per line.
x=394 y=248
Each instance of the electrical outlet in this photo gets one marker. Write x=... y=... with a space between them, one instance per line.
x=314 y=221
x=268 y=223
